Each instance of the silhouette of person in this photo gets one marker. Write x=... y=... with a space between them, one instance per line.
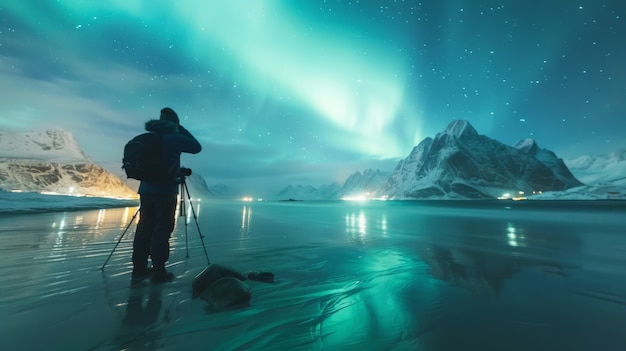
x=158 y=201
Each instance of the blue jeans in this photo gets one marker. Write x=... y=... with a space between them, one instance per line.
x=156 y=223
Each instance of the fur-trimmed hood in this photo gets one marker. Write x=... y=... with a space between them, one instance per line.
x=161 y=127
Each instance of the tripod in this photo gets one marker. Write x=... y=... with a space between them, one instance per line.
x=183 y=213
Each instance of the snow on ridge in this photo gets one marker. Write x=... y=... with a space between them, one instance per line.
x=460 y=128
x=599 y=169
x=460 y=163
x=599 y=161
x=52 y=161
x=527 y=145
x=56 y=145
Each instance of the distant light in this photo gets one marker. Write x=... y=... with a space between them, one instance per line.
x=247 y=199
x=511 y=235
x=354 y=198
x=357 y=197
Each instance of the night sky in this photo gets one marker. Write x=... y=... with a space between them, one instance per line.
x=308 y=92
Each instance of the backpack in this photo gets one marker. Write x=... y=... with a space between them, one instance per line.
x=144 y=159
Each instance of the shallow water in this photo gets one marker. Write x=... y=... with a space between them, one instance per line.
x=350 y=276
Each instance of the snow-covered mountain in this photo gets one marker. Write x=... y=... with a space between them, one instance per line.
x=221 y=191
x=459 y=163
x=197 y=187
x=358 y=185
x=52 y=161
x=52 y=145
x=610 y=168
x=604 y=177
x=363 y=185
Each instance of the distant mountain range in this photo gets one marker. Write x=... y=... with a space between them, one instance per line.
x=610 y=168
x=51 y=161
x=604 y=177
x=357 y=185
x=458 y=163
x=198 y=188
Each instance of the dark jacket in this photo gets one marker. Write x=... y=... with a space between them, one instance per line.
x=176 y=140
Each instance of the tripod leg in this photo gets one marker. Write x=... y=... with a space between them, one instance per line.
x=186 y=236
x=120 y=239
x=183 y=213
x=195 y=218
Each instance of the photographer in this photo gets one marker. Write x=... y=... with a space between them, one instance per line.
x=158 y=201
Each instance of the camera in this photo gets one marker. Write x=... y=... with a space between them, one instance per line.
x=185 y=172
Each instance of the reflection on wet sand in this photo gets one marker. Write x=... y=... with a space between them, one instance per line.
x=479 y=272
x=372 y=277
x=482 y=258
x=358 y=227
x=246 y=216
x=139 y=329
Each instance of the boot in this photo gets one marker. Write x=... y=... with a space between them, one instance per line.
x=140 y=273
x=161 y=275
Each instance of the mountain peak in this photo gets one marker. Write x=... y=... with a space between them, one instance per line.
x=51 y=160
x=51 y=145
x=528 y=146
x=460 y=163
x=460 y=128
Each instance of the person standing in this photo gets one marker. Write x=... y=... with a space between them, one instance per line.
x=158 y=201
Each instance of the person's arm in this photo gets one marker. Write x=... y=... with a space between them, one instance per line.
x=187 y=142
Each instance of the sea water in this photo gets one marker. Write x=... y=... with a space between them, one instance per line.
x=410 y=275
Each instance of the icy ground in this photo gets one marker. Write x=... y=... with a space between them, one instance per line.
x=350 y=276
x=30 y=202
